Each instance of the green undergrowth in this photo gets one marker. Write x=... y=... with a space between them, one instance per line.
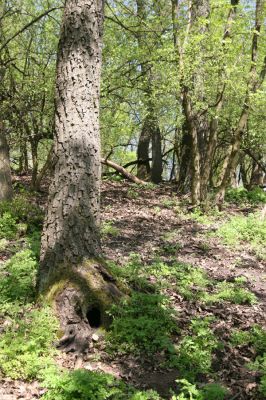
x=21 y=210
x=26 y=344
x=205 y=218
x=28 y=330
x=17 y=280
x=242 y=196
x=108 y=229
x=86 y=385
x=254 y=338
x=190 y=391
x=193 y=283
x=242 y=229
x=144 y=322
x=194 y=352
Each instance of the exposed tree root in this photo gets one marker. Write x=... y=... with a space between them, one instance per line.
x=81 y=295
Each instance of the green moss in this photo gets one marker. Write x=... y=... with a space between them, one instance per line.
x=90 y=280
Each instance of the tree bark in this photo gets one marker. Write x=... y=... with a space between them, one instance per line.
x=6 y=191
x=71 y=271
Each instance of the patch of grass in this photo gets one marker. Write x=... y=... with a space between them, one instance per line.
x=191 y=282
x=194 y=351
x=108 y=229
x=171 y=248
x=234 y=292
x=132 y=193
x=144 y=322
x=250 y=229
x=87 y=385
x=256 y=336
x=169 y=203
x=200 y=217
x=133 y=274
x=242 y=196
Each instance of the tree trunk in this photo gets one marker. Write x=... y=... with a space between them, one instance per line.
x=184 y=179
x=34 y=155
x=144 y=169
x=6 y=191
x=157 y=160
x=195 y=170
x=71 y=271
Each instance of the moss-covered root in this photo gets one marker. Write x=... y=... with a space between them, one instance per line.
x=81 y=295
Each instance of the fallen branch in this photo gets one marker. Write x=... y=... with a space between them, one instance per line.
x=123 y=171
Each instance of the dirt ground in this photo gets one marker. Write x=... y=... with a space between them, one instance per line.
x=143 y=218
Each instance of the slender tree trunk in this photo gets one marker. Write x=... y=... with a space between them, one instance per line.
x=34 y=154
x=6 y=191
x=157 y=160
x=185 y=163
x=71 y=271
x=143 y=151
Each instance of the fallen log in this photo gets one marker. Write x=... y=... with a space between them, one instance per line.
x=123 y=171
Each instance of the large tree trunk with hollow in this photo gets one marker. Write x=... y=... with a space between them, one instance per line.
x=6 y=191
x=71 y=272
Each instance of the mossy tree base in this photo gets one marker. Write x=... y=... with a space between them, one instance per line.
x=81 y=295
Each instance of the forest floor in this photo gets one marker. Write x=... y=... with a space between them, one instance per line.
x=215 y=290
